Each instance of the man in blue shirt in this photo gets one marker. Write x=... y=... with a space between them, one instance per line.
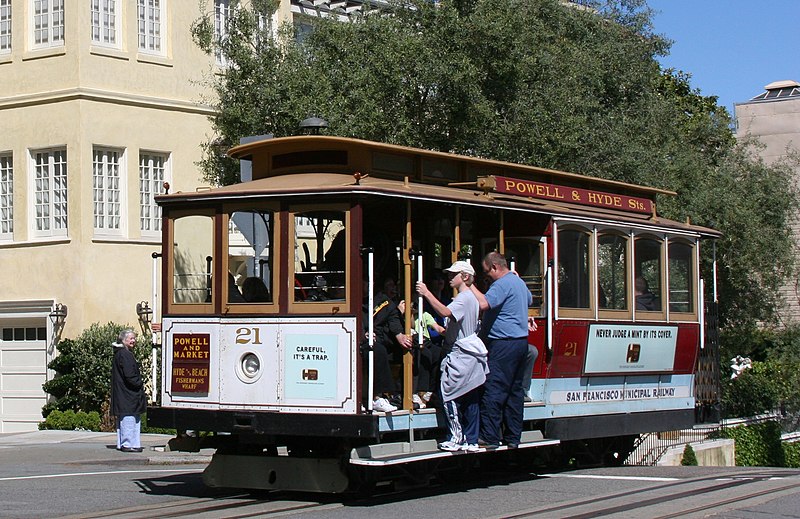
x=505 y=328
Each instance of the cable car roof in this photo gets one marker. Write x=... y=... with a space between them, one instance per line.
x=333 y=184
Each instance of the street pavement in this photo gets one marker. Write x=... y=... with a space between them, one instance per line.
x=156 y=447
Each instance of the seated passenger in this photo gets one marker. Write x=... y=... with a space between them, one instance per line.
x=254 y=291
x=234 y=296
x=389 y=343
x=645 y=300
x=427 y=356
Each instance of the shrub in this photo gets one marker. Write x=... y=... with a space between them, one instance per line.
x=689 y=458
x=758 y=445
x=69 y=420
x=791 y=453
x=83 y=370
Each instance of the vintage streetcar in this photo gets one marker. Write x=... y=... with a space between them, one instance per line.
x=265 y=283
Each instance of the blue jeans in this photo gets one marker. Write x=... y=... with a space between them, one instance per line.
x=503 y=399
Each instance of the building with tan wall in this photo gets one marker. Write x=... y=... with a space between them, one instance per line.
x=101 y=102
x=774 y=118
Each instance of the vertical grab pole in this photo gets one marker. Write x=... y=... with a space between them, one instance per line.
x=419 y=301
x=714 y=269
x=701 y=313
x=370 y=328
x=154 y=307
x=408 y=364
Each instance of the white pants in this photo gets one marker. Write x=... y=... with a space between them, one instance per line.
x=129 y=431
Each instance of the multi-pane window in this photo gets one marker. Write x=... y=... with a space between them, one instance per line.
x=48 y=23
x=152 y=167
x=5 y=26
x=50 y=192
x=106 y=189
x=6 y=195
x=105 y=22
x=222 y=13
x=151 y=21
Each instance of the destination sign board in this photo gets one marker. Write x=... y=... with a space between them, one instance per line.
x=573 y=195
x=190 y=362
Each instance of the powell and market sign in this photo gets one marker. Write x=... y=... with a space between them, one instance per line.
x=514 y=186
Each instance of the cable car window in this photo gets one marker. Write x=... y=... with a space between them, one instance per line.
x=320 y=243
x=573 y=268
x=250 y=257
x=647 y=285
x=612 y=277
x=193 y=248
x=681 y=274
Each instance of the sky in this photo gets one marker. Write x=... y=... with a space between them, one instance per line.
x=732 y=48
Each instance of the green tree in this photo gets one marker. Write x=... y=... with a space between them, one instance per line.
x=530 y=81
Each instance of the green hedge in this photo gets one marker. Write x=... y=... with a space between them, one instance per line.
x=69 y=420
x=758 y=445
x=791 y=452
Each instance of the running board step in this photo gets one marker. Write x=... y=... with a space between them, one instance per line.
x=386 y=454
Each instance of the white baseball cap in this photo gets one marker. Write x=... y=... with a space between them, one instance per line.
x=461 y=266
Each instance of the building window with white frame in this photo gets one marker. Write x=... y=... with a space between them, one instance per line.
x=50 y=192
x=222 y=13
x=5 y=26
x=6 y=196
x=152 y=174
x=48 y=23
x=107 y=190
x=151 y=23
x=106 y=22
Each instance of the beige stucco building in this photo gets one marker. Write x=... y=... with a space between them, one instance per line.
x=774 y=118
x=101 y=102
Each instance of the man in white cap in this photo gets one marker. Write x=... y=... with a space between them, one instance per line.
x=464 y=368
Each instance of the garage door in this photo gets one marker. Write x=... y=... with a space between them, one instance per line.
x=23 y=370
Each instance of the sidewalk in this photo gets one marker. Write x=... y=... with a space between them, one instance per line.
x=155 y=445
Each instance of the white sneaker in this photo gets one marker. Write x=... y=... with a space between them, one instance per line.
x=450 y=446
x=470 y=447
x=382 y=405
x=426 y=396
x=415 y=398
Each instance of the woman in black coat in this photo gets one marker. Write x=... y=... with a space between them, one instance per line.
x=128 y=400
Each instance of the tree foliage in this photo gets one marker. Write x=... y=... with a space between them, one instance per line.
x=529 y=81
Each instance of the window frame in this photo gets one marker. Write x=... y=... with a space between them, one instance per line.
x=277 y=287
x=318 y=307
x=613 y=313
x=173 y=308
x=693 y=245
x=106 y=189
x=222 y=13
x=651 y=315
x=6 y=27
x=108 y=24
x=568 y=312
x=145 y=22
x=55 y=33
x=156 y=216
x=54 y=230
x=6 y=196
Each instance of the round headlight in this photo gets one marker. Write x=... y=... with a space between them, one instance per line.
x=250 y=365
